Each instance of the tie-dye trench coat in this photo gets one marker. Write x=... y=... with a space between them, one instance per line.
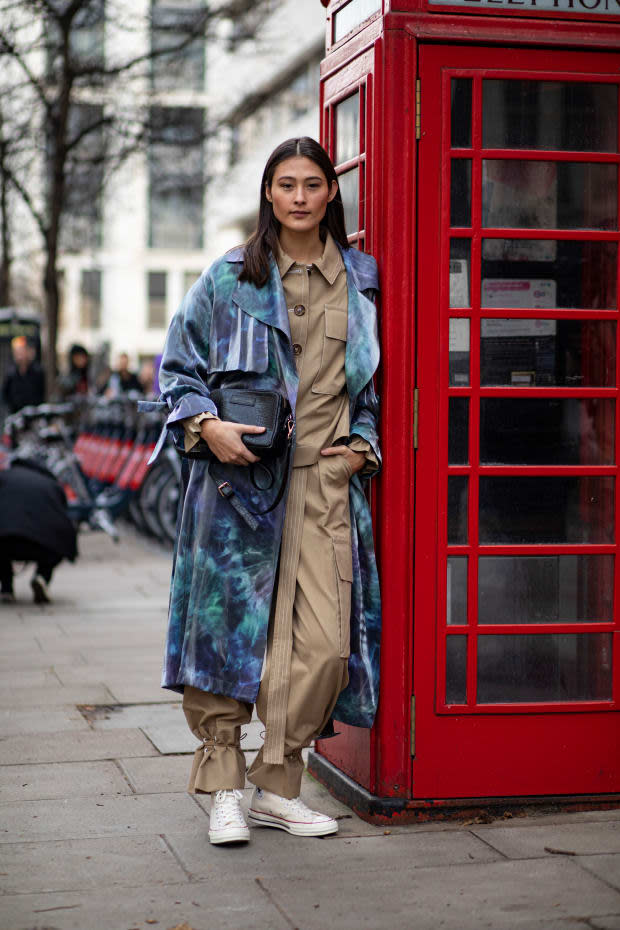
x=233 y=334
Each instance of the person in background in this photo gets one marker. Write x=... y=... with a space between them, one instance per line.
x=34 y=527
x=76 y=381
x=123 y=380
x=24 y=384
x=146 y=376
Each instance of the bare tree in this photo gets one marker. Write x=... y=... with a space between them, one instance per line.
x=70 y=115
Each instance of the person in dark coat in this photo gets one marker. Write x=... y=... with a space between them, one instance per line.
x=77 y=379
x=34 y=527
x=123 y=379
x=24 y=384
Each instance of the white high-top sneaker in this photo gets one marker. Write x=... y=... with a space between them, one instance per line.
x=271 y=810
x=226 y=821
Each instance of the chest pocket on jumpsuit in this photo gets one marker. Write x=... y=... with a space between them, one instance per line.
x=237 y=341
x=331 y=377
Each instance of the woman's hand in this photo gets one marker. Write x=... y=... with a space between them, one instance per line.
x=224 y=440
x=356 y=460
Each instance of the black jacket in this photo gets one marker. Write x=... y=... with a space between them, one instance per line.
x=24 y=390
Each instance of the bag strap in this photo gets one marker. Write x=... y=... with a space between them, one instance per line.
x=226 y=489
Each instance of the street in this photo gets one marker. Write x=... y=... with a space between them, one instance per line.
x=98 y=832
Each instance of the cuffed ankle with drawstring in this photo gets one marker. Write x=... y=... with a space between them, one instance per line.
x=218 y=763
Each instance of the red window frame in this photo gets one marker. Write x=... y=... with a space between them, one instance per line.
x=473 y=550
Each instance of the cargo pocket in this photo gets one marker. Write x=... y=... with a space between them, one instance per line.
x=331 y=376
x=343 y=565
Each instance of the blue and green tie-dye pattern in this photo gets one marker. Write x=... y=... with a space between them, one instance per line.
x=233 y=334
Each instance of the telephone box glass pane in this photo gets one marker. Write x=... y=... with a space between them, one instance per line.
x=548 y=194
x=457 y=509
x=458 y=431
x=559 y=115
x=548 y=353
x=460 y=119
x=459 y=351
x=547 y=431
x=352 y=15
x=347 y=128
x=460 y=192
x=456 y=670
x=545 y=588
x=460 y=252
x=542 y=509
x=547 y=667
x=349 y=190
x=538 y=273
x=456 y=602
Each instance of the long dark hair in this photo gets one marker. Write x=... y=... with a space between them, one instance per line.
x=263 y=242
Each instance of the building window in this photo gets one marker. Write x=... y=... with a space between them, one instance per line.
x=295 y=95
x=86 y=41
x=176 y=178
x=90 y=299
x=81 y=228
x=178 y=44
x=189 y=279
x=157 y=284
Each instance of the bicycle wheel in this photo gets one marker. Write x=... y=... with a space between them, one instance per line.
x=167 y=506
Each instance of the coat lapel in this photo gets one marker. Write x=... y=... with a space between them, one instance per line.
x=267 y=303
x=362 y=352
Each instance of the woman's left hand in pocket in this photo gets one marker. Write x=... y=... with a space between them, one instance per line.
x=356 y=460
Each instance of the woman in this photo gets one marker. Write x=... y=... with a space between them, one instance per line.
x=291 y=311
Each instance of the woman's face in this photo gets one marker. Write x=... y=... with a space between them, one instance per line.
x=300 y=193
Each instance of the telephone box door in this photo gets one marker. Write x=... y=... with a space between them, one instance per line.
x=516 y=664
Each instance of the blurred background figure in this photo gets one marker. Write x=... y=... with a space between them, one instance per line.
x=34 y=527
x=122 y=379
x=24 y=384
x=76 y=381
x=146 y=376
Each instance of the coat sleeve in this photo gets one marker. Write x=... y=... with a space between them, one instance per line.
x=184 y=365
x=365 y=420
x=365 y=417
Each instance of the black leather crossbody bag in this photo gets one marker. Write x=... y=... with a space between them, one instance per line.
x=256 y=408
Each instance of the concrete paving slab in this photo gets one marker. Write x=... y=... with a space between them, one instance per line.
x=549 y=840
x=125 y=658
x=605 y=867
x=39 y=659
x=60 y=780
x=73 y=818
x=20 y=646
x=79 y=865
x=30 y=678
x=157 y=774
x=611 y=922
x=500 y=895
x=163 y=724
x=284 y=855
x=78 y=746
x=15 y=722
x=130 y=693
x=199 y=906
x=142 y=673
x=55 y=696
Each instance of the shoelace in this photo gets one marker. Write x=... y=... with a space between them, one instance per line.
x=297 y=806
x=227 y=806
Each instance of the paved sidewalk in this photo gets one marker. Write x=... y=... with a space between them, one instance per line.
x=98 y=833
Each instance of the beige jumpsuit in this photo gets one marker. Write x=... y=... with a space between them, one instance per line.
x=308 y=644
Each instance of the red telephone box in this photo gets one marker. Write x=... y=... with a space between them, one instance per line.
x=478 y=147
